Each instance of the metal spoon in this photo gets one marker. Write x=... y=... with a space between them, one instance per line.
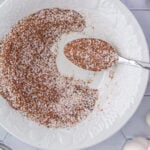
x=136 y=63
x=4 y=147
x=96 y=55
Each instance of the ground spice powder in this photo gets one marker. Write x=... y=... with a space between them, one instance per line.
x=91 y=54
x=29 y=78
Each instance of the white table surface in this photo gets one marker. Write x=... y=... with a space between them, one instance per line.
x=141 y=10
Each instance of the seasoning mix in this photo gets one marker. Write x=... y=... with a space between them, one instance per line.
x=29 y=78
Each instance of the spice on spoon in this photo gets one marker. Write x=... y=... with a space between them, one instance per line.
x=91 y=54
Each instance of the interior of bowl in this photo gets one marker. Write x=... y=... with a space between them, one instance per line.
x=118 y=97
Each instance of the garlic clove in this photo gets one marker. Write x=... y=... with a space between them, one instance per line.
x=138 y=143
x=132 y=145
x=143 y=141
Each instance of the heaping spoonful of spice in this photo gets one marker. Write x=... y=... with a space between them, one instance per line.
x=96 y=55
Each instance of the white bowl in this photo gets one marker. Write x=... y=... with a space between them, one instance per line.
x=119 y=97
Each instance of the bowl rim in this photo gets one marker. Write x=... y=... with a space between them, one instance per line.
x=140 y=95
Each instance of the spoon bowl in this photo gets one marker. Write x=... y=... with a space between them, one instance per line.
x=91 y=54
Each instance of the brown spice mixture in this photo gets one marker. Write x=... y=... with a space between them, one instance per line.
x=29 y=78
x=91 y=54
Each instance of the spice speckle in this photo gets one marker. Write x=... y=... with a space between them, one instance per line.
x=111 y=74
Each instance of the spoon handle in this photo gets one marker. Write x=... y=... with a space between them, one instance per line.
x=134 y=63
x=144 y=65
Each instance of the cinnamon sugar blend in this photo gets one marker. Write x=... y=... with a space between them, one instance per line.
x=91 y=54
x=29 y=78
